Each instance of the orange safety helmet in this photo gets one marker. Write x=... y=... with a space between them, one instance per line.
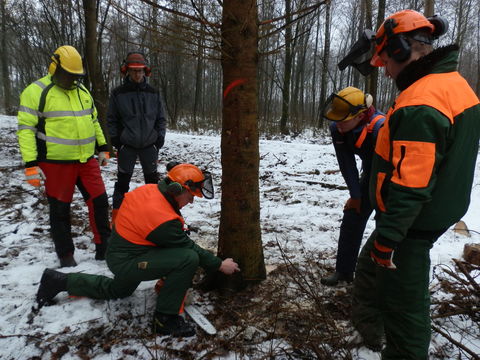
x=135 y=60
x=190 y=177
x=388 y=35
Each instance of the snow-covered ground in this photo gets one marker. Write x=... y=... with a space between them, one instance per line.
x=301 y=207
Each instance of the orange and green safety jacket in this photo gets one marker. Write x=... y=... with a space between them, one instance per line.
x=150 y=218
x=57 y=125
x=425 y=155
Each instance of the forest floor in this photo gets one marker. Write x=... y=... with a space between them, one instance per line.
x=290 y=315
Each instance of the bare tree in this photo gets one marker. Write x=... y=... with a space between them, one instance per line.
x=429 y=8
x=99 y=91
x=326 y=55
x=5 y=61
x=287 y=71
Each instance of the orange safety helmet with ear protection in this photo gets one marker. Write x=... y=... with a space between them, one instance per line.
x=390 y=36
x=135 y=60
x=188 y=176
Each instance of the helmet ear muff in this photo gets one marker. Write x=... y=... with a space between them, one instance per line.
x=53 y=65
x=397 y=45
x=174 y=188
x=124 y=66
x=368 y=100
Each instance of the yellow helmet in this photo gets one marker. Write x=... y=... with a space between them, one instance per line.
x=68 y=58
x=347 y=104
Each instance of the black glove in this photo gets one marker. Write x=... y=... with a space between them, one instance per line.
x=116 y=142
x=159 y=143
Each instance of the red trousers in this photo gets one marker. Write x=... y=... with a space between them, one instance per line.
x=61 y=179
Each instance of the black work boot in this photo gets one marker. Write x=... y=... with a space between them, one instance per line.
x=100 y=250
x=174 y=325
x=336 y=277
x=51 y=283
x=67 y=261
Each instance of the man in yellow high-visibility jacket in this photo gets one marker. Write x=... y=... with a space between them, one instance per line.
x=58 y=133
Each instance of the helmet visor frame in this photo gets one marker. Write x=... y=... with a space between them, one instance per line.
x=342 y=110
x=202 y=188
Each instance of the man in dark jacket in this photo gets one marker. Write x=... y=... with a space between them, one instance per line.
x=354 y=129
x=149 y=241
x=422 y=175
x=136 y=123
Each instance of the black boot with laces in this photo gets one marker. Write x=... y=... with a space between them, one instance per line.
x=51 y=283
x=174 y=325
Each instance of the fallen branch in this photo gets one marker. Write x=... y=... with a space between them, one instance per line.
x=465 y=272
x=461 y=311
x=321 y=183
x=20 y=335
x=456 y=343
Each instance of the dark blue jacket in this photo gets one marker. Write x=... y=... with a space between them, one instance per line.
x=135 y=116
x=346 y=150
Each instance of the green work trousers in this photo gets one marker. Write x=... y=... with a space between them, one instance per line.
x=395 y=303
x=176 y=265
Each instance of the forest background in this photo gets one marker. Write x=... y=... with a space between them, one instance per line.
x=300 y=43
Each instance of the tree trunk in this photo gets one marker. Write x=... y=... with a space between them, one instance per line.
x=326 y=56
x=314 y=81
x=198 y=81
x=477 y=40
x=99 y=91
x=373 y=80
x=239 y=233
x=287 y=75
x=429 y=8
x=5 y=62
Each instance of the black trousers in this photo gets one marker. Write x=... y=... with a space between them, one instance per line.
x=351 y=232
x=127 y=157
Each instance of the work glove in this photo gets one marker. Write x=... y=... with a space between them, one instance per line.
x=353 y=203
x=382 y=255
x=34 y=176
x=103 y=157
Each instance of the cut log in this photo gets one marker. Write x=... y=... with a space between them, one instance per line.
x=471 y=253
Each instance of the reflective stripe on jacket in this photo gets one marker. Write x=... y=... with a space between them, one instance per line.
x=66 y=129
x=142 y=211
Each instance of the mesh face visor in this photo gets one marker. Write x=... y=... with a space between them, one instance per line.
x=338 y=109
x=360 y=54
x=205 y=186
